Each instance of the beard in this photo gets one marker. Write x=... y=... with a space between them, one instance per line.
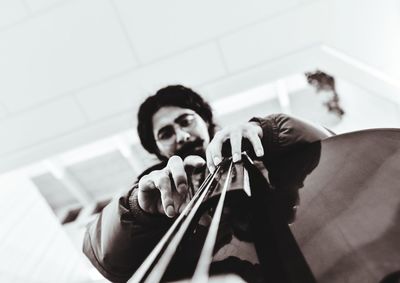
x=195 y=147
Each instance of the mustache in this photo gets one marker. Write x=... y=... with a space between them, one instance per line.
x=191 y=148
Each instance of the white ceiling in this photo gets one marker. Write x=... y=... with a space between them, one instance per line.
x=73 y=72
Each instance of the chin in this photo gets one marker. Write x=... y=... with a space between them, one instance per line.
x=200 y=152
x=192 y=148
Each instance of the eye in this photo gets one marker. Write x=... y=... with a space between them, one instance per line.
x=165 y=134
x=186 y=121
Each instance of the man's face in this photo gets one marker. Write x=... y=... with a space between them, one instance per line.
x=180 y=131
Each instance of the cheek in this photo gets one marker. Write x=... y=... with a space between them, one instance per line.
x=206 y=135
x=206 y=138
x=170 y=151
x=166 y=151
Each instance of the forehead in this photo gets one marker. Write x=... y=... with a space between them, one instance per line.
x=167 y=115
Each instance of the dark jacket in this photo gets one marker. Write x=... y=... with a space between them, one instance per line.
x=123 y=235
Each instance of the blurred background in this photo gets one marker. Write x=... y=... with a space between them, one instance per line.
x=73 y=73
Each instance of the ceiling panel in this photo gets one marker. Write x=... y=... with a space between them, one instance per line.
x=55 y=193
x=107 y=174
x=178 y=24
x=376 y=24
x=35 y=126
x=76 y=44
x=191 y=67
x=111 y=97
x=37 y=5
x=274 y=38
x=3 y=111
x=245 y=114
x=64 y=141
x=125 y=93
x=11 y=11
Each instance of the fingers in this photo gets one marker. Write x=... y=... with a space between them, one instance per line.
x=210 y=163
x=236 y=145
x=148 y=195
x=235 y=134
x=165 y=191
x=213 y=151
x=146 y=184
x=178 y=173
x=155 y=193
x=163 y=183
x=193 y=162
x=255 y=141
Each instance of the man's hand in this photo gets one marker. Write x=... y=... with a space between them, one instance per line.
x=165 y=191
x=235 y=133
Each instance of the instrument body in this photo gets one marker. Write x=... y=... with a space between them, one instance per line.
x=348 y=219
x=323 y=212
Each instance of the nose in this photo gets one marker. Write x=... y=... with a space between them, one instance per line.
x=182 y=136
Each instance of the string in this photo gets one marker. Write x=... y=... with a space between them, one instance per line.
x=162 y=264
x=203 y=265
x=151 y=258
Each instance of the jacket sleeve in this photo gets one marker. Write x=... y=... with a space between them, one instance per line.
x=122 y=236
x=282 y=133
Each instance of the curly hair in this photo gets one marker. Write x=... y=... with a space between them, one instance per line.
x=172 y=95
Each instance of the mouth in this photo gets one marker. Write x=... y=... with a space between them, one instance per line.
x=191 y=148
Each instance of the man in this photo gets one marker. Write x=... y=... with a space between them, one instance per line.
x=177 y=125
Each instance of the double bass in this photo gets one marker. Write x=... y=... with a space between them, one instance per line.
x=324 y=212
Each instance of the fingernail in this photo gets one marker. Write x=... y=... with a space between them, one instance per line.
x=217 y=160
x=236 y=157
x=212 y=169
x=181 y=188
x=170 y=211
x=259 y=152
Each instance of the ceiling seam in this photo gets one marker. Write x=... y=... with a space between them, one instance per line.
x=125 y=32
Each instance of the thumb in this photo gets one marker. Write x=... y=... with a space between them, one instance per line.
x=192 y=162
